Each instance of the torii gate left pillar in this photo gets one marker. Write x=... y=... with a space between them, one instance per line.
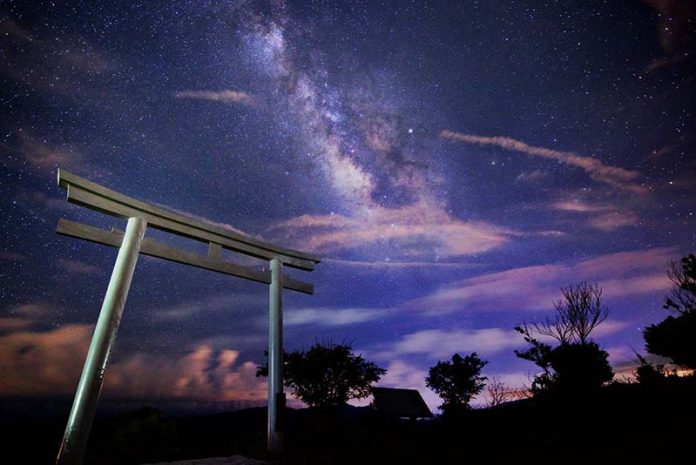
x=132 y=243
x=72 y=449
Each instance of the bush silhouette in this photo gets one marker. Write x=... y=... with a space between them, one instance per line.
x=674 y=337
x=580 y=366
x=327 y=375
x=457 y=382
x=648 y=374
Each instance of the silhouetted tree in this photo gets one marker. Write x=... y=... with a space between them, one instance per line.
x=540 y=355
x=674 y=337
x=648 y=374
x=498 y=392
x=457 y=382
x=576 y=363
x=580 y=366
x=327 y=375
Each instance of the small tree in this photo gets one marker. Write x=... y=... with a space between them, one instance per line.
x=674 y=336
x=580 y=367
x=457 y=382
x=327 y=375
x=540 y=355
x=648 y=374
x=576 y=363
x=498 y=392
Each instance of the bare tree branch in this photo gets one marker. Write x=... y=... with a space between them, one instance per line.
x=498 y=392
x=682 y=274
x=577 y=314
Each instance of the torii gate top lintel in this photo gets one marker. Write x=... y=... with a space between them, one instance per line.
x=86 y=193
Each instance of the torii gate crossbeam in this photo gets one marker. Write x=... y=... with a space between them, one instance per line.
x=131 y=243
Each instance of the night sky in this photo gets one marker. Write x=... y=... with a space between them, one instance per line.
x=453 y=163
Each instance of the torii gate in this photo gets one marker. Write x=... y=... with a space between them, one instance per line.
x=131 y=243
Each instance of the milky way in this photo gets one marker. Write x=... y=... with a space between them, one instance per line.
x=453 y=165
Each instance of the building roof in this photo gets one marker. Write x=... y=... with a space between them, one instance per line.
x=400 y=403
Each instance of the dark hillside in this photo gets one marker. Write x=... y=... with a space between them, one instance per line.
x=624 y=423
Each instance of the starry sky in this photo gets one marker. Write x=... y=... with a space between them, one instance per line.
x=453 y=163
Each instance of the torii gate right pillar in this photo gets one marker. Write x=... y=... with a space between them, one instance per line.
x=276 y=396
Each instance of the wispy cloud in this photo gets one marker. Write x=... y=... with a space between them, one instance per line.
x=210 y=304
x=614 y=220
x=438 y=343
x=418 y=230
x=45 y=156
x=536 y=287
x=578 y=206
x=326 y=316
x=597 y=170
x=78 y=267
x=531 y=176
x=607 y=217
x=382 y=265
x=38 y=311
x=225 y=96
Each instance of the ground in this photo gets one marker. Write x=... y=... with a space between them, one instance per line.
x=234 y=460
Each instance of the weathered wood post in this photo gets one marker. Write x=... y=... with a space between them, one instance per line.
x=276 y=397
x=72 y=449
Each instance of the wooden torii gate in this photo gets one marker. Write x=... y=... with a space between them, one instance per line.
x=131 y=243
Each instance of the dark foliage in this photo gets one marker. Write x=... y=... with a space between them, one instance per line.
x=457 y=382
x=580 y=366
x=327 y=375
x=648 y=374
x=568 y=367
x=674 y=337
x=540 y=355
